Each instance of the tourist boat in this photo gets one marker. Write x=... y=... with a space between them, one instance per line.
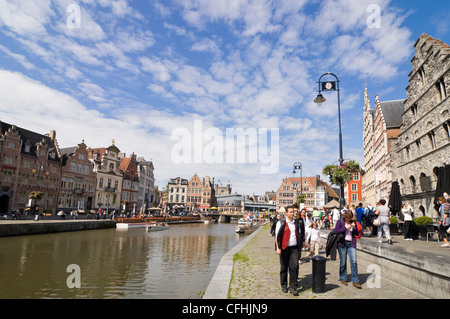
x=130 y=225
x=156 y=226
x=246 y=223
x=240 y=229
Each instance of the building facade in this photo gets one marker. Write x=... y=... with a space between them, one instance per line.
x=423 y=145
x=106 y=164
x=30 y=163
x=130 y=183
x=381 y=129
x=353 y=190
x=194 y=193
x=78 y=180
x=177 y=192
x=317 y=192
x=147 y=195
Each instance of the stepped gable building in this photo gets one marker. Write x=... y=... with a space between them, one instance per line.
x=194 y=193
x=381 y=130
x=130 y=183
x=318 y=193
x=106 y=163
x=30 y=162
x=424 y=142
x=78 y=180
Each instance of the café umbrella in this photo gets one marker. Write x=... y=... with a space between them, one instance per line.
x=395 y=198
x=443 y=183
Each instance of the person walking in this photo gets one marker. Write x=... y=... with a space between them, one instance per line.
x=317 y=216
x=274 y=225
x=347 y=247
x=289 y=239
x=408 y=219
x=313 y=236
x=444 y=222
x=384 y=213
x=336 y=216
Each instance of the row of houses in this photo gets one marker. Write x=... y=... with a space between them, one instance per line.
x=407 y=141
x=35 y=171
x=197 y=194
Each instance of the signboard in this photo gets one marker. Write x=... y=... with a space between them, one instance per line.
x=329 y=86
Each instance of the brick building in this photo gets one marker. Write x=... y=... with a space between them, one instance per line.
x=318 y=193
x=30 y=162
x=130 y=183
x=194 y=193
x=78 y=179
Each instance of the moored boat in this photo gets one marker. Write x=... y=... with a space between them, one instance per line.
x=156 y=226
x=240 y=229
x=129 y=225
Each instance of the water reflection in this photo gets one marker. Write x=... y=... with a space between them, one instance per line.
x=176 y=263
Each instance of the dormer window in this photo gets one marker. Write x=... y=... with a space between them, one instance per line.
x=27 y=148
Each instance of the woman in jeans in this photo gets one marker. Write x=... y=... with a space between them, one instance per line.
x=385 y=214
x=347 y=246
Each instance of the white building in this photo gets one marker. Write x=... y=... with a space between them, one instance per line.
x=146 y=184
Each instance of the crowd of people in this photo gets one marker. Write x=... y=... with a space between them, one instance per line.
x=296 y=231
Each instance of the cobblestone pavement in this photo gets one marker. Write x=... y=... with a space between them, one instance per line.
x=256 y=276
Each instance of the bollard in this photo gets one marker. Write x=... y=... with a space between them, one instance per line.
x=318 y=274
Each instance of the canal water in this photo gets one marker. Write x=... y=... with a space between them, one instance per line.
x=176 y=263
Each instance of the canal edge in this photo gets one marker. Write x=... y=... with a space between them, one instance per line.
x=219 y=285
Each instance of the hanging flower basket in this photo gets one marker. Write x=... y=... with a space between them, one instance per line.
x=341 y=175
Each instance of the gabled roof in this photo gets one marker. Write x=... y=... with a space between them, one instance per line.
x=32 y=139
x=392 y=112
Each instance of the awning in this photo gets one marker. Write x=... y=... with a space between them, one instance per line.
x=333 y=204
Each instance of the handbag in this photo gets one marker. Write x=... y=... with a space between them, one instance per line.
x=377 y=221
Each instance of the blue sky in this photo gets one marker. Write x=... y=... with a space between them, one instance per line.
x=136 y=71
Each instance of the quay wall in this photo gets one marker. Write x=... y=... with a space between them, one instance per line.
x=427 y=274
x=45 y=227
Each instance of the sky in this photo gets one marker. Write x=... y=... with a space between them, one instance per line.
x=177 y=81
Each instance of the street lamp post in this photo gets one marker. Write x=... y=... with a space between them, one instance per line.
x=333 y=86
x=298 y=166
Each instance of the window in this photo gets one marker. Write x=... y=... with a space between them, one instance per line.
x=432 y=138
x=414 y=111
x=100 y=182
x=421 y=73
x=356 y=176
x=447 y=129
x=27 y=148
x=418 y=143
x=440 y=89
x=407 y=149
x=11 y=145
x=355 y=197
x=354 y=187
